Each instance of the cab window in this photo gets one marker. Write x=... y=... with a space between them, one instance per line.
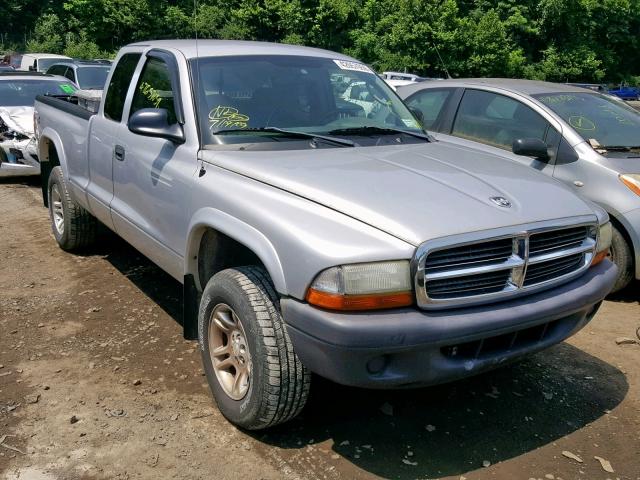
x=119 y=85
x=57 y=70
x=154 y=89
x=70 y=75
x=497 y=120
x=431 y=103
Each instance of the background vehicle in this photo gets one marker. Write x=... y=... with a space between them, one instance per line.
x=18 y=91
x=39 y=62
x=86 y=75
x=626 y=93
x=585 y=139
x=6 y=68
x=312 y=238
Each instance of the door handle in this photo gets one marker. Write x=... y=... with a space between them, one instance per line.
x=118 y=153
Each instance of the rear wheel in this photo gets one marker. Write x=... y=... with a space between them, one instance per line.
x=622 y=256
x=255 y=376
x=72 y=226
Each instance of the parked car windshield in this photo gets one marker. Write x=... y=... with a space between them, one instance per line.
x=45 y=63
x=596 y=117
x=238 y=94
x=20 y=93
x=92 y=78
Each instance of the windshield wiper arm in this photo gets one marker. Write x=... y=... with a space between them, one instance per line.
x=293 y=133
x=380 y=130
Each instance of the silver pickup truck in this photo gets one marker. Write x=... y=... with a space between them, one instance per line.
x=311 y=235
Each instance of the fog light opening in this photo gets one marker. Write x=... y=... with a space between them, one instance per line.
x=377 y=364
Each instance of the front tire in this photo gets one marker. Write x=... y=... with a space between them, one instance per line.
x=73 y=227
x=622 y=256
x=256 y=378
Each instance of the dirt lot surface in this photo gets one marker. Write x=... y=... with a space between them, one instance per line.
x=97 y=382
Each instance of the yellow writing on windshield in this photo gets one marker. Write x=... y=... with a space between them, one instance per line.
x=581 y=123
x=222 y=117
x=554 y=99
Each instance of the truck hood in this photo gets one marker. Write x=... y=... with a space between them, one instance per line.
x=414 y=192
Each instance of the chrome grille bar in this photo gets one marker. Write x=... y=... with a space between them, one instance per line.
x=449 y=274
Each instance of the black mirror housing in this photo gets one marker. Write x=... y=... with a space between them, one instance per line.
x=531 y=147
x=154 y=122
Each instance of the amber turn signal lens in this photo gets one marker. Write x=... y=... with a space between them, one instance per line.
x=599 y=257
x=332 y=301
x=632 y=181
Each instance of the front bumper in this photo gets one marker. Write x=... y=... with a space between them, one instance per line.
x=21 y=158
x=410 y=347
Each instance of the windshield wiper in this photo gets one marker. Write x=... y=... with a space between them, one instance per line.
x=378 y=130
x=619 y=148
x=293 y=133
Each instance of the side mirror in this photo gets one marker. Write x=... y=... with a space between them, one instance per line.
x=531 y=147
x=417 y=113
x=154 y=122
x=32 y=68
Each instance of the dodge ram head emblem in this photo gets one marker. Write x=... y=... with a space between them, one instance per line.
x=501 y=202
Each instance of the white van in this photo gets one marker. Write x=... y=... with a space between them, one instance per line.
x=39 y=62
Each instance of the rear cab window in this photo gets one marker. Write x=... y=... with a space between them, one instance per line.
x=119 y=86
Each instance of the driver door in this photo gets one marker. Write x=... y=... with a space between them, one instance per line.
x=151 y=176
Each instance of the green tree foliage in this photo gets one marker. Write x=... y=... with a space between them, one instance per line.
x=48 y=35
x=558 y=40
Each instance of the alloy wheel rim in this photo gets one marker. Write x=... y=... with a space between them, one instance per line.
x=57 y=210
x=229 y=352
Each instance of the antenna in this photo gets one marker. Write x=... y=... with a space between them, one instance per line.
x=444 y=67
x=197 y=84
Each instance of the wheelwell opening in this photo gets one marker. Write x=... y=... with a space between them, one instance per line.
x=620 y=227
x=218 y=252
x=48 y=160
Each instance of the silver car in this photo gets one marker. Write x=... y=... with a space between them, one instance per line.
x=576 y=135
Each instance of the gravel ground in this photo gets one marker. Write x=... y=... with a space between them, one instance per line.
x=97 y=382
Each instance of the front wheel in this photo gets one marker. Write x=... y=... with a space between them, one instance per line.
x=621 y=255
x=255 y=376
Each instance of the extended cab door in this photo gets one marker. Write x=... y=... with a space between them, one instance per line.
x=102 y=138
x=152 y=176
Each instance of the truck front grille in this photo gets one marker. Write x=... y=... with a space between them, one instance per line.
x=489 y=269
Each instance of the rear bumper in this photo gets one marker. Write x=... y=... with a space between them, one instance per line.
x=410 y=347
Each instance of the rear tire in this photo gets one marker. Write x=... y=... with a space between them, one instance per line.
x=622 y=256
x=240 y=323
x=73 y=227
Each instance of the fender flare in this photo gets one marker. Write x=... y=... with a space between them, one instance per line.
x=48 y=135
x=243 y=233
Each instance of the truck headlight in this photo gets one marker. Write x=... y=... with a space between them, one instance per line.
x=605 y=235
x=363 y=286
x=632 y=181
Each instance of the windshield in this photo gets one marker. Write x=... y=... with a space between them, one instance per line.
x=92 y=78
x=597 y=118
x=238 y=95
x=45 y=63
x=22 y=93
